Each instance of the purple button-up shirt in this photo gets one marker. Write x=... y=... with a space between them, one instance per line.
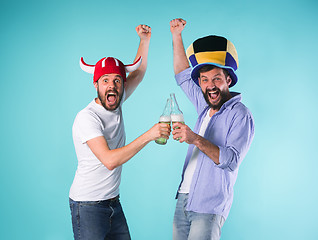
x=232 y=130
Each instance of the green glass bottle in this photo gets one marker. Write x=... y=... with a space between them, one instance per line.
x=165 y=118
x=176 y=113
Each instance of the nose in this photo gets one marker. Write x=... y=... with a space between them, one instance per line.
x=211 y=83
x=111 y=85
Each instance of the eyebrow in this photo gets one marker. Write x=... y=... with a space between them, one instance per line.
x=117 y=75
x=218 y=74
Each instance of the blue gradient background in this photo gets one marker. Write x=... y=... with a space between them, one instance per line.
x=43 y=87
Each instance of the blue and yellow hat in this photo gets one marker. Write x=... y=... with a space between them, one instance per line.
x=213 y=50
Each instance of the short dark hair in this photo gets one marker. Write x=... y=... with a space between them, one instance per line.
x=207 y=68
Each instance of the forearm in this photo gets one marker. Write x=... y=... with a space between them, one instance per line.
x=117 y=157
x=141 y=52
x=208 y=148
x=135 y=77
x=180 y=61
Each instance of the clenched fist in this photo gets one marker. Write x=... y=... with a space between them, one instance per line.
x=177 y=25
x=143 y=31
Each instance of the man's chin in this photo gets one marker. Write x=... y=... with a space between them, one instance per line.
x=111 y=107
x=215 y=105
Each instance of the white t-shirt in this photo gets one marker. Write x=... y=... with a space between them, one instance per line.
x=93 y=181
x=188 y=174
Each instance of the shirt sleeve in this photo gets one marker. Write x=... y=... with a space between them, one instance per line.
x=192 y=90
x=239 y=139
x=87 y=126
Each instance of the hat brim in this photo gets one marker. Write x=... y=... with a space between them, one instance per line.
x=195 y=72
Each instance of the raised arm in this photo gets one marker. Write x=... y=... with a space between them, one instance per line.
x=134 y=78
x=116 y=157
x=180 y=61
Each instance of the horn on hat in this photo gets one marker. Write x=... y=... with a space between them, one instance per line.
x=86 y=67
x=134 y=66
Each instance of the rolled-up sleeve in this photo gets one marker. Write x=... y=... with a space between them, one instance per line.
x=239 y=139
x=192 y=91
x=183 y=76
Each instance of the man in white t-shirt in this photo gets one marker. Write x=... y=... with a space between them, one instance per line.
x=99 y=140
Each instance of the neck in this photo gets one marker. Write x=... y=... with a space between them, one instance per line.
x=213 y=111
x=98 y=101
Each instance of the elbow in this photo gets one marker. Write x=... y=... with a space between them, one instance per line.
x=111 y=160
x=233 y=163
x=109 y=165
x=230 y=161
x=232 y=167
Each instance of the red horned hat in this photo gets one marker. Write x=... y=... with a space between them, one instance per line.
x=109 y=65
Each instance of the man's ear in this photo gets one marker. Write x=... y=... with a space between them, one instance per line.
x=228 y=80
x=96 y=84
x=199 y=81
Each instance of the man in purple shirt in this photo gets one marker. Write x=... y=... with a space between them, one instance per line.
x=220 y=139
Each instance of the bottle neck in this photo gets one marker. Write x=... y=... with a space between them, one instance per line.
x=174 y=105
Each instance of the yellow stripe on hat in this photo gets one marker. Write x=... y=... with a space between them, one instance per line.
x=217 y=57
x=231 y=50
x=190 y=51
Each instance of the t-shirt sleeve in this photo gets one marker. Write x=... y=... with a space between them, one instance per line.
x=87 y=126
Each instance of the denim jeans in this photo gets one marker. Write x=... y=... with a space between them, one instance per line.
x=99 y=220
x=195 y=226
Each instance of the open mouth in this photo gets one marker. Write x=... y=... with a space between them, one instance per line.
x=111 y=97
x=213 y=94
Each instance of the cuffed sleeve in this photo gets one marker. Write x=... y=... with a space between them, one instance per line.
x=183 y=76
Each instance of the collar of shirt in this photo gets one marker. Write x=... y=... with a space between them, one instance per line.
x=236 y=97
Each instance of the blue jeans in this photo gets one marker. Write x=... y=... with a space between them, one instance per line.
x=99 y=220
x=195 y=226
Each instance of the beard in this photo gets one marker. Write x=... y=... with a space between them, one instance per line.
x=102 y=99
x=224 y=96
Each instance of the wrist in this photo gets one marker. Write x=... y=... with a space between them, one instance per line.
x=196 y=140
x=176 y=35
x=147 y=137
x=145 y=40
